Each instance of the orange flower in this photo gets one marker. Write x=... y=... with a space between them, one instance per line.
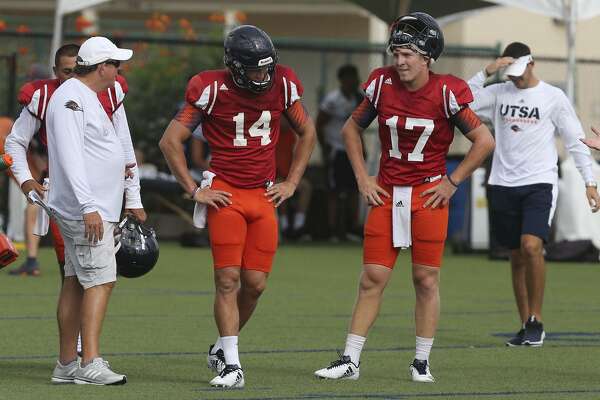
x=241 y=16
x=165 y=19
x=82 y=23
x=217 y=17
x=23 y=50
x=185 y=23
x=23 y=29
x=2 y=25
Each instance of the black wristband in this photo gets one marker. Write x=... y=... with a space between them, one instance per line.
x=451 y=182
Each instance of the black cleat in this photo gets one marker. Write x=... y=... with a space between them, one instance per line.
x=534 y=333
x=517 y=340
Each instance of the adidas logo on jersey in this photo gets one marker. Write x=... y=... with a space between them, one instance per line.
x=223 y=87
x=388 y=81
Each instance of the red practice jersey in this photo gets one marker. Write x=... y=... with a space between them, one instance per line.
x=415 y=128
x=242 y=128
x=36 y=95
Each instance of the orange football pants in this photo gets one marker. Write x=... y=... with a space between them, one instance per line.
x=243 y=234
x=59 y=244
x=428 y=228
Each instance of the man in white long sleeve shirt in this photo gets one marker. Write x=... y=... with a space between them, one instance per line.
x=34 y=97
x=87 y=156
x=526 y=112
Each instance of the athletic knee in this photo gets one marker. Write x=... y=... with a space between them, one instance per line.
x=531 y=248
x=426 y=283
x=254 y=290
x=226 y=282
x=372 y=282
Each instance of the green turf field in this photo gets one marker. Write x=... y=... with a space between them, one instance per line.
x=158 y=329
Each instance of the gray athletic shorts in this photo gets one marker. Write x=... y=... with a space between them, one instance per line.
x=93 y=264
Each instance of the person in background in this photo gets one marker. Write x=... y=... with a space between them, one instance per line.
x=334 y=110
x=291 y=224
x=523 y=185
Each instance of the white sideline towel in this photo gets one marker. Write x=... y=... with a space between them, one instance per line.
x=401 y=216
x=200 y=209
x=42 y=220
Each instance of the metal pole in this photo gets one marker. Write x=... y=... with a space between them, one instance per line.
x=12 y=84
x=571 y=18
x=57 y=33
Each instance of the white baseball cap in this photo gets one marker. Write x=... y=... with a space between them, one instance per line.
x=517 y=68
x=98 y=49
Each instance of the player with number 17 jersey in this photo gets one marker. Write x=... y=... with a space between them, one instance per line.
x=416 y=128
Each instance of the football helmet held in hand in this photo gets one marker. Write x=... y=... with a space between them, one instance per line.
x=136 y=248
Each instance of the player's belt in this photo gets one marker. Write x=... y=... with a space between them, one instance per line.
x=432 y=179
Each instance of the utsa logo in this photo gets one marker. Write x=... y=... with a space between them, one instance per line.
x=73 y=106
x=506 y=110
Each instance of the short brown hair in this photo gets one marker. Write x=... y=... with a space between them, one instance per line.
x=67 y=50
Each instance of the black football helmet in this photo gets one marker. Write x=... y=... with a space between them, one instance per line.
x=248 y=47
x=136 y=248
x=419 y=31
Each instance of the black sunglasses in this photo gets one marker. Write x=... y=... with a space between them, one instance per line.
x=115 y=63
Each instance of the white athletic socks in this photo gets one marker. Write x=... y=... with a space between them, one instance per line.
x=354 y=345
x=299 y=220
x=218 y=345
x=79 y=348
x=230 y=349
x=423 y=348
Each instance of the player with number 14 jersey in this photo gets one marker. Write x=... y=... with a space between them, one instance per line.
x=239 y=110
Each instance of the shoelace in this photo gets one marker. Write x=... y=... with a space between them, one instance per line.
x=341 y=361
x=228 y=369
x=421 y=367
x=102 y=364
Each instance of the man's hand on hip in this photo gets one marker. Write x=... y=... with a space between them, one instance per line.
x=94 y=229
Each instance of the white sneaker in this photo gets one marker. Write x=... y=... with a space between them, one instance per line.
x=419 y=371
x=65 y=373
x=231 y=377
x=98 y=372
x=216 y=360
x=343 y=368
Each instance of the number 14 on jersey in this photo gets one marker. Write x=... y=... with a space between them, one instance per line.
x=261 y=128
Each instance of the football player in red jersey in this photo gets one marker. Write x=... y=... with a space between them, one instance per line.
x=239 y=109
x=417 y=111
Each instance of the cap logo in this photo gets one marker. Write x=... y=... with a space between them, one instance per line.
x=265 y=61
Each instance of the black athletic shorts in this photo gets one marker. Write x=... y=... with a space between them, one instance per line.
x=341 y=177
x=520 y=210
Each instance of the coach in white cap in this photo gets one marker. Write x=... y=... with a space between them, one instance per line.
x=526 y=113
x=87 y=153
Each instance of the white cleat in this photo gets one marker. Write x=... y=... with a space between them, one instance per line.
x=231 y=377
x=419 y=371
x=343 y=368
x=215 y=361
